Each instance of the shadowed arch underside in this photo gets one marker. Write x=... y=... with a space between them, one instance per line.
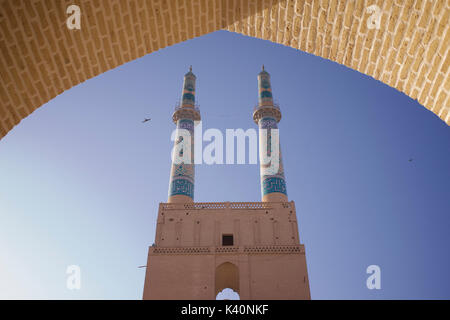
x=40 y=57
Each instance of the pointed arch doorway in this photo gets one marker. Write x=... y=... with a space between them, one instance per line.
x=227 y=282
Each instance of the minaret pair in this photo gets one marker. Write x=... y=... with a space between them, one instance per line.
x=266 y=115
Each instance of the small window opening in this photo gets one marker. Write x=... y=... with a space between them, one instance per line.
x=227 y=239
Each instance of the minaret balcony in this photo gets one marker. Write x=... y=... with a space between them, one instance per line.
x=186 y=111
x=269 y=110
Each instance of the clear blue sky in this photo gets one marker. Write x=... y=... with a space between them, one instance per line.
x=81 y=178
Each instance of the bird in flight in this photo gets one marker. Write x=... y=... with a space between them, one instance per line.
x=146 y=119
x=411 y=159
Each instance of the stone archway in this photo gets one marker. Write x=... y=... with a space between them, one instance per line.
x=40 y=57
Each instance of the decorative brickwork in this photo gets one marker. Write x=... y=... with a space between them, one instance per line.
x=190 y=252
x=40 y=57
x=223 y=205
x=234 y=250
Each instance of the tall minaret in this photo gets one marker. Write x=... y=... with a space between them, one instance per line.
x=267 y=115
x=200 y=249
x=181 y=184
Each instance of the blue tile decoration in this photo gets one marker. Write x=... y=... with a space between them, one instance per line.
x=183 y=170
x=182 y=174
x=186 y=124
x=265 y=83
x=181 y=187
x=188 y=97
x=268 y=123
x=264 y=88
x=271 y=182
x=266 y=94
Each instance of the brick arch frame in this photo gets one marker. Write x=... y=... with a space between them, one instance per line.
x=40 y=57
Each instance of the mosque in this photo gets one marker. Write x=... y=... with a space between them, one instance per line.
x=202 y=248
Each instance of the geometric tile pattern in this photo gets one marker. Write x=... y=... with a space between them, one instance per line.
x=188 y=95
x=265 y=90
x=182 y=174
x=271 y=182
x=181 y=187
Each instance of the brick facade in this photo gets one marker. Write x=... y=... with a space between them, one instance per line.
x=40 y=57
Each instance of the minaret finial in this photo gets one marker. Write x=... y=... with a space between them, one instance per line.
x=263 y=68
x=190 y=68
